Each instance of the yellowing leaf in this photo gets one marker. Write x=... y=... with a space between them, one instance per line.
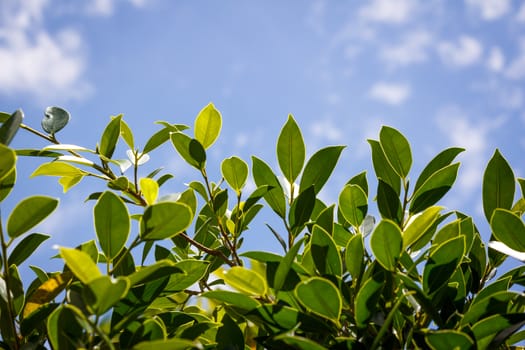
x=46 y=292
x=150 y=189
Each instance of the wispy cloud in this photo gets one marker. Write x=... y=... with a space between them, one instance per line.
x=496 y=60
x=388 y=11
x=516 y=67
x=107 y=7
x=35 y=61
x=411 y=49
x=465 y=51
x=520 y=16
x=390 y=93
x=490 y=9
x=326 y=130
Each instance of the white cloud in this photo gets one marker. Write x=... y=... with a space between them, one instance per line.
x=516 y=67
x=107 y=7
x=412 y=49
x=390 y=93
x=464 y=52
x=327 y=130
x=520 y=17
x=490 y=9
x=35 y=61
x=496 y=60
x=388 y=11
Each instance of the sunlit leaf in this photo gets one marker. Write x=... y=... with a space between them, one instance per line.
x=28 y=213
x=235 y=172
x=208 y=125
x=81 y=264
x=508 y=228
x=319 y=168
x=321 y=297
x=164 y=220
x=110 y=136
x=386 y=243
x=498 y=185
x=353 y=204
x=396 y=149
x=246 y=281
x=149 y=189
x=291 y=150
x=112 y=223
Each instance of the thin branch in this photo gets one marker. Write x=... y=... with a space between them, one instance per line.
x=207 y=250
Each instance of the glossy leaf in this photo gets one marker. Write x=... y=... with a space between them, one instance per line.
x=382 y=167
x=386 y=243
x=238 y=300
x=67 y=182
x=235 y=172
x=419 y=225
x=127 y=134
x=285 y=265
x=361 y=181
x=149 y=189
x=487 y=329
x=55 y=119
x=229 y=335
x=7 y=161
x=434 y=188
x=498 y=185
x=189 y=149
x=25 y=248
x=164 y=220
x=81 y=264
x=112 y=224
x=302 y=208
x=442 y=263
x=396 y=149
x=442 y=160
x=291 y=150
x=58 y=169
x=508 y=228
x=319 y=168
x=449 y=339
x=353 y=204
x=110 y=136
x=208 y=125
x=193 y=271
x=7 y=182
x=388 y=202
x=354 y=256
x=28 y=213
x=325 y=253
x=320 y=297
x=246 y=281
x=263 y=175
x=104 y=292
x=367 y=298
x=10 y=127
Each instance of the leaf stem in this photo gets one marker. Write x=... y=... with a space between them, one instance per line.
x=207 y=250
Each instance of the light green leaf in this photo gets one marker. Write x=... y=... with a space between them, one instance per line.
x=127 y=134
x=164 y=220
x=80 y=264
x=396 y=149
x=7 y=182
x=235 y=172
x=419 y=225
x=233 y=298
x=149 y=189
x=440 y=161
x=104 y=292
x=112 y=223
x=353 y=204
x=354 y=256
x=58 y=169
x=508 y=228
x=386 y=243
x=167 y=344
x=320 y=297
x=109 y=139
x=449 y=339
x=28 y=213
x=487 y=329
x=246 y=281
x=319 y=168
x=7 y=161
x=208 y=125
x=191 y=150
x=68 y=182
x=290 y=150
x=382 y=167
x=498 y=185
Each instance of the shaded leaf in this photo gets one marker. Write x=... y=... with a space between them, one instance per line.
x=110 y=136
x=319 y=168
x=382 y=167
x=396 y=149
x=25 y=248
x=388 y=202
x=55 y=119
x=434 y=188
x=263 y=175
x=440 y=161
x=442 y=263
x=353 y=204
x=28 y=213
x=508 y=228
x=498 y=185
x=10 y=127
x=325 y=253
x=367 y=298
x=290 y=150
x=449 y=339
x=320 y=297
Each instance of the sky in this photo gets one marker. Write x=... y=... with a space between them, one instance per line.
x=444 y=73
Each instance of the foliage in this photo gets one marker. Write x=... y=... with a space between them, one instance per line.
x=419 y=277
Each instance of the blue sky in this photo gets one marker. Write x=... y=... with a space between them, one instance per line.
x=445 y=73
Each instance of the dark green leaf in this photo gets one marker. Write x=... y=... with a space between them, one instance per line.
x=26 y=248
x=325 y=253
x=388 y=202
x=440 y=161
x=229 y=335
x=263 y=175
x=442 y=263
x=319 y=168
x=396 y=149
x=104 y=292
x=302 y=208
x=498 y=185
x=112 y=224
x=508 y=228
x=367 y=298
x=109 y=139
x=487 y=329
x=320 y=297
x=281 y=275
x=189 y=149
x=382 y=167
x=7 y=182
x=449 y=339
x=434 y=188
x=164 y=220
x=193 y=271
x=28 y=213
x=7 y=161
x=361 y=181
x=10 y=127
x=386 y=243
x=64 y=328
x=354 y=256
x=290 y=150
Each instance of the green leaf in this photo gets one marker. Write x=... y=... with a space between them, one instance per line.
x=159 y=269
x=208 y=125
x=388 y=202
x=246 y=281
x=353 y=204
x=492 y=304
x=28 y=213
x=164 y=220
x=55 y=119
x=442 y=263
x=302 y=208
x=325 y=253
x=10 y=127
x=167 y=344
x=112 y=224
x=149 y=189
x=238 y=300
x=319 y=168
x=263 y=175
x=498 y=185
x=7 y=167
x=354 y=256
x=81 y=264
x=194 y=271
x=487 y=329
x=298 y=342
x=229 y=335
x=58 y=169
x=104 y=292
x=386 y=243
x=26 y=248
x=285 y=265
x=8 y=181
x=449 y=339
x=508 y=228
x=36 y=319
x=320 y=297
x=63 y=327
x=46 y=292
x=361 y=181
x=189 y=149
x=67 y=182
x=419 y=225
x=162 y=136
x=290 y=150
x=396 y=149
x=434 y=188
x=110 y=136
x=235 y=172
x=367 y=298
x=127 y=134
x=382 y=167
x=440 y=161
